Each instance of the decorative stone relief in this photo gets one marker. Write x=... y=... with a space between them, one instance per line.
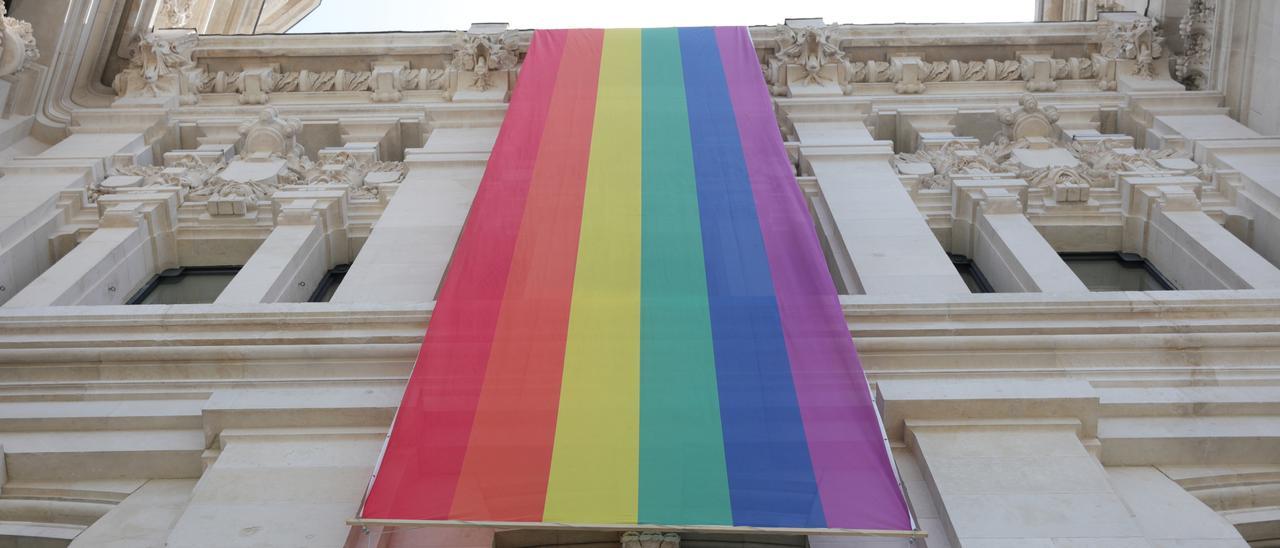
x=162 y=66
x=1029 y=120
x=806 y=56
x=269 y=159
x=17 y=44
x=807 y=59
x=174 y=13
x=188 y=173
x=1137 y=39
x=1027 y=150
x=650 y=540
x=1196 y=29
x=481 y=58
x=361 y=175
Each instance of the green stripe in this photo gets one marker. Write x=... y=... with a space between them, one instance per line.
x=682 y=468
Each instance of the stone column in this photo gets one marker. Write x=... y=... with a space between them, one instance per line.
x=405 y=257
x=310 y=237
x=892 y=248
x=135 y=239
x=1164 y=223
x=991 y=228
x=41 y=193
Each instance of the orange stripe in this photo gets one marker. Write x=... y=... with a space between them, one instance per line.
x=504 y=475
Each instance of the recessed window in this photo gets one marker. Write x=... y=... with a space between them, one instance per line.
x=971 y=275
x=187 y=285
x=329 y=284
x=1116 y=272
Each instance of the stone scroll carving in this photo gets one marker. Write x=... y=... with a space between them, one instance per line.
x=807 y=60
x=1192 y=66
x=806 y=56
x=17 y=44
x=1137 y=39
x=480 y=59
x=162 y=66
x=483 y=67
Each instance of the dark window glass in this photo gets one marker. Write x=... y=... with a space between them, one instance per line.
x=971 y=275
x=1116 y=272
x=194 y=285
x=329 y=284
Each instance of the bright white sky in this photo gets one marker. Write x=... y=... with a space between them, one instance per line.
x=412 y=15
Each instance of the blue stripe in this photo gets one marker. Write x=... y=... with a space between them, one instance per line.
x=771 y=482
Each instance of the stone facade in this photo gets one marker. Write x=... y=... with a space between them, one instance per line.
x=1043 y=415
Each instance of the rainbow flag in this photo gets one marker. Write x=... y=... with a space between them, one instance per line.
x=638 y=325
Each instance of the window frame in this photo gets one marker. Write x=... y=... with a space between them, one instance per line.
x=178 y=273
x=1125 y=260
x=967 y=264
x=332 y=277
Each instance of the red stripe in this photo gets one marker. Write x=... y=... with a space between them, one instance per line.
x=423 y=458
x=504 y=477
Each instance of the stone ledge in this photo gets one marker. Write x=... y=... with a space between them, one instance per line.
x=905 y=402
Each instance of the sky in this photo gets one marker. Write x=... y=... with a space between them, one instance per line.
x=417 y=15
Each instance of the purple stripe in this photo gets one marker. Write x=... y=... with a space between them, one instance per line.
x=855 y=479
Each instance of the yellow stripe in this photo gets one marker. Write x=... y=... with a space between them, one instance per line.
x=595 y=462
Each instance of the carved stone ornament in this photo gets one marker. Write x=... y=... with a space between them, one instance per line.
x=1137 y=39
x=271 y=136
x=270 y=157
x=1082 y=165
x=478 y=57
x=810 y=57
x=812 y=51
x=361 y=176
x=174 y=13
x=162 y=66
x=188 y=173
x=1029 y=120
x=650 y=540
x=17 y=44
x=1196 y=29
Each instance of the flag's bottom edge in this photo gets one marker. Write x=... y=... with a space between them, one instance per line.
x=411 y=523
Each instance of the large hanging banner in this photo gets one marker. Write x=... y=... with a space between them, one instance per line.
x=638 y=325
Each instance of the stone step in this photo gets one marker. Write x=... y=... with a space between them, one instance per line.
x=107 y=454
x=50 y=416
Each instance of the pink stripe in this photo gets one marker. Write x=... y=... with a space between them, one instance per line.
x=855 y=479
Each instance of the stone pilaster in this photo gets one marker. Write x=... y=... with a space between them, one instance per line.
x=135 y=239
x=1165 y=224
x=991 y=228
x=865 y=198
x=310 y=237
x=426 y=215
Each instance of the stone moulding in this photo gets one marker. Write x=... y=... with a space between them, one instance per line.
x=795 y=59
x=808 y=58
x=473 y=61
